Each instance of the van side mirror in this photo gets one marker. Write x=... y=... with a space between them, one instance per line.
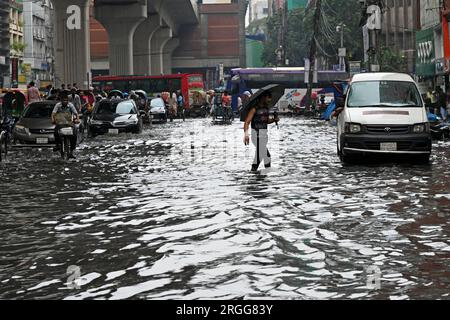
x=340 y=102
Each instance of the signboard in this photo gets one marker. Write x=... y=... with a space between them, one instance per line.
x=296 y=4
x=14 y=72
x=307 y=70
x=425 y=49
x=355 y=67
x=342 y=52
x=26 y=69
x=221 y=72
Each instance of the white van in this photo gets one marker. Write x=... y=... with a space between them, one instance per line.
x=383 y=113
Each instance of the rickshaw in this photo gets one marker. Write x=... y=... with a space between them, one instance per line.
x=221 y=114
x=117 y=93
x=198 y=104
x=13 y=104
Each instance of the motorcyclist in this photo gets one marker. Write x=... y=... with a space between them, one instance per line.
x=65 y=107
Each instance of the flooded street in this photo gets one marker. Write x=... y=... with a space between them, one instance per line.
x=174 y=213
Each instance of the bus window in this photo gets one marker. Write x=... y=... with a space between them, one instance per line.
x=160 y=85
x=173 y=85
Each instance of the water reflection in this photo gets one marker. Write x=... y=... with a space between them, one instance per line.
x=175 y=213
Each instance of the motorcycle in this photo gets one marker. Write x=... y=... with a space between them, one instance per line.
x=66 y=132
x=440 y=131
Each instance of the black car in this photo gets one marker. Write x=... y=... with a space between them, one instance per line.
x=115 y=116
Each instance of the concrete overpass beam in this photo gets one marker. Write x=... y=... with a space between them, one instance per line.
x=141 y=44
x=120 y=21
x=158 y=42
x=169 y=48
x=72 y=56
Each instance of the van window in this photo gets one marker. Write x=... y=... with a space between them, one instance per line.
x=384 y=94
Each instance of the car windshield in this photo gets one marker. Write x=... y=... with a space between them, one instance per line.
x=106 y=107
x=157 y=103
x=125 y=108
x=39 y=111
x=395 y=94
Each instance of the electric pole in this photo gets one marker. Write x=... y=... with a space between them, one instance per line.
x=313 y=50
x=282 y=30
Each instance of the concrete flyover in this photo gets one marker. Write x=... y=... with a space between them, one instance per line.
x=142 y=33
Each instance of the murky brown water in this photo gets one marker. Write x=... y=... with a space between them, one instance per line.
x=174 y=213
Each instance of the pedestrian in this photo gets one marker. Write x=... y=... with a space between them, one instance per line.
x=33 y=93
x=75 y=100
x=442 y=101
x=258 y=118
x=63 y=87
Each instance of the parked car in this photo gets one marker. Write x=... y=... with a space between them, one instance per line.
x=383 y=113
x=115 y=116
x=158 y=110
x=35 y=128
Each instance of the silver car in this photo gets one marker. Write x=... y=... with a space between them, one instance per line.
x=35 y=127
x=158 y=110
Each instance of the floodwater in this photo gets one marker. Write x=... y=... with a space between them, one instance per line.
x=174 y=213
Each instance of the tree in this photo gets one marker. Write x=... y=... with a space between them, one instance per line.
x=391 y=61
x=300 y=29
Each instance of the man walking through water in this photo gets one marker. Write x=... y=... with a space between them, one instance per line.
x=258 y=118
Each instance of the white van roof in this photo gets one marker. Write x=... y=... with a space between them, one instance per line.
x=382 y=76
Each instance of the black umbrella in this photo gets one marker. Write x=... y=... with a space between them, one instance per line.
x=277 y=92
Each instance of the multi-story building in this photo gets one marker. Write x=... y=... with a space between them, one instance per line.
x=39 y=40
x=432 y=68
x=5 y=75
x=16 y=40
x=400 y=22
x=257 y=9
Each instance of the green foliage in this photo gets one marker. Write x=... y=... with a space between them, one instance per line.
x=300 y=30
x=18 y=47
x=391 y=61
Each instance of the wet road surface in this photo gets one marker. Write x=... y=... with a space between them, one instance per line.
x=174 y=213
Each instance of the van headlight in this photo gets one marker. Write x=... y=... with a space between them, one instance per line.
x=96 y=122
x=352 y=128
x=421 y=128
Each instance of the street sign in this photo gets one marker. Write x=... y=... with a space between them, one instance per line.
x=342 y=52
x=355 y=67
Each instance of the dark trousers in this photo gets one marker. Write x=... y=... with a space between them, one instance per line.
x=73 y=139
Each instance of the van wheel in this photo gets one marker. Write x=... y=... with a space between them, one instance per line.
x=423 y=159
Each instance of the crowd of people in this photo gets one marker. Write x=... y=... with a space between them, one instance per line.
x=438 y=103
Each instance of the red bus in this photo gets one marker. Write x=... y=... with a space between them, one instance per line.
x=153 y=85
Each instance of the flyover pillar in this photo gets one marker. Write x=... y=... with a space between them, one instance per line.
x=120 y=21
x=158 y=42
x=141 y=44
x=169 y=48
x=72 y=42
